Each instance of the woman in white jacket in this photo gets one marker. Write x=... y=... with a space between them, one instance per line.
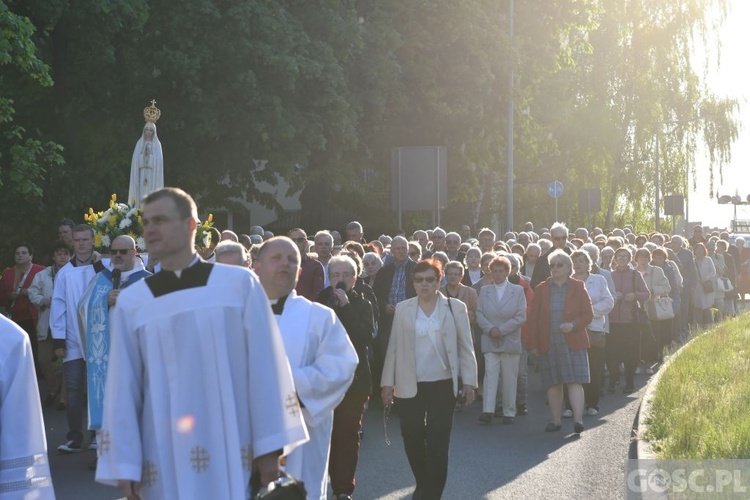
x=40 y=294
x=721 y=272
x=429 y=349
x=703 y=293
x=658 y=284
x=601 y=302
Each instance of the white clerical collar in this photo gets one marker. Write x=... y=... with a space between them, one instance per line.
x=178 y=272
x=137 y=266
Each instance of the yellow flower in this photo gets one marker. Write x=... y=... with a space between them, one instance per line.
x=210 y=217
x=91 y=211
x=140 y=221
x=114 y=197
x=112 y=220
x=133 y=235
x=98 y=240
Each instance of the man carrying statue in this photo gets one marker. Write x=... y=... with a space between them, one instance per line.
x=93 y=312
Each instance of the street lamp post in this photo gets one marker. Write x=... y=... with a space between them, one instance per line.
x=509 y=152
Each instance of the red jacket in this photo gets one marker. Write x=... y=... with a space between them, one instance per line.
x=577 y=310
x=22 y=309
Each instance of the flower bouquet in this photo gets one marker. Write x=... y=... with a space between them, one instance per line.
x=121 y=218
x=118 y=219
x=202 y=236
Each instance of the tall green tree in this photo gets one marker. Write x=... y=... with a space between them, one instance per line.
x=26 y=152
x=637 y=79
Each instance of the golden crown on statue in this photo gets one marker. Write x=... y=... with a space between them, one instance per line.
x=151 y=113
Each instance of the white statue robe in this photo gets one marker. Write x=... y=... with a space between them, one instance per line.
x=146 y=168
x=323 y=362
x=24 y=468
x=198 y=385
x=70 y=285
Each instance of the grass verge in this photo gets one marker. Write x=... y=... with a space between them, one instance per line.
x=701 y=405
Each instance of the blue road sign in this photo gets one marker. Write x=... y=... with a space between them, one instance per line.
x=555 y=189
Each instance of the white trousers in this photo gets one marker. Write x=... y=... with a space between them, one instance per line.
x=494 y=363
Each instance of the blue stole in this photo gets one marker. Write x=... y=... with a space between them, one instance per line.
x=97 y=340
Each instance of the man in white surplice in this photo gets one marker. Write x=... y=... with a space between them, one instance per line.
x=322 y=358
x=199 y=392
x=24 y=468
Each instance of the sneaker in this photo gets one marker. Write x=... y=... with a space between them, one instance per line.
x=577 y=428
x=592 y=411
x=567 y=413
x=92 y=444
x=69 y=447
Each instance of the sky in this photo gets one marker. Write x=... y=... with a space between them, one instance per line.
x=731 y=79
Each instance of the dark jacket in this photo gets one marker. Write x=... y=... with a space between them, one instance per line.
x=382 y=289
x=357 y=320
x=366 y=292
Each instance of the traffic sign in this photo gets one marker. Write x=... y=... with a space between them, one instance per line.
x=555 y=189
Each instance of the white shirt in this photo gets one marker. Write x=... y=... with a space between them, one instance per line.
x=432 y=358
x=475 y=276
x=500 y=290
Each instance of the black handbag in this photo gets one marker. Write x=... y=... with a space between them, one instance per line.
x=284 y=488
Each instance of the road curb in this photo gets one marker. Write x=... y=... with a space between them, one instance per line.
x=644 y=451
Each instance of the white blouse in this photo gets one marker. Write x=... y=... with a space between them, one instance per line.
x=432 y=357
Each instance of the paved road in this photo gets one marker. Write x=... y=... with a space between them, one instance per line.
x=486 y=462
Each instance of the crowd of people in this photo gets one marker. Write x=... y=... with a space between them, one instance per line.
x=194 y=379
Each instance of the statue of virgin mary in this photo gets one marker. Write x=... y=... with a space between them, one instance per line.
x=147 y=165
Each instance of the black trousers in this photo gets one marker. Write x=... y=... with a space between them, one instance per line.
x=623 y=343
x=30 y=329
x=591 y=390
x=426 y=422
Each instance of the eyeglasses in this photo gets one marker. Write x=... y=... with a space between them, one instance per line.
x=427 y=279
x=121 y=251
x=555 y=265
x=299 y=239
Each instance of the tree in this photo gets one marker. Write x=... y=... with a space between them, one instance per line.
x=25 y=156
x=634 y=81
